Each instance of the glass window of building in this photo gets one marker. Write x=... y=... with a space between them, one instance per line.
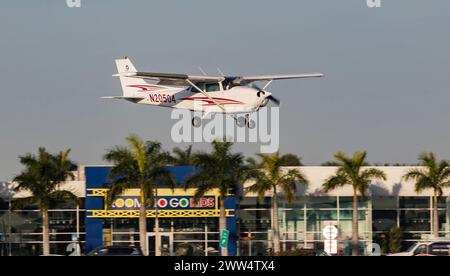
x=384 y=202
x=347 y=202
x=415 y=220
x=383 y=220
x=321 y=202
x=414 y=202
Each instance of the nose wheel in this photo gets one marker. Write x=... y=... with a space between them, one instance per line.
x=196 y=122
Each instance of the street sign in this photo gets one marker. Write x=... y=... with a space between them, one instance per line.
x=224 y=238
x=330 y=246
x=330 y=232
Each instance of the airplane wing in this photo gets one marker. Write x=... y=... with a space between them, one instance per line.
x=171 y=79
x=280 y=77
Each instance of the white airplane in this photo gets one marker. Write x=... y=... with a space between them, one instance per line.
x=208 y=94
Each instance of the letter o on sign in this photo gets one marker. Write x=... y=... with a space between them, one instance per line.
x=184 y=202
x=129 y=203
x=162 y=202
x=120 y=203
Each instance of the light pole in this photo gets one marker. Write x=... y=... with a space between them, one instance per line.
x=9 y=222
x=157 y=239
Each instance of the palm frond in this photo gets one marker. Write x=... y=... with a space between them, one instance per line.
x=435 y=174
x=182 y=157
x=20 y=203
x=414 y=174
x=338 y=180
x=373 y=174
x=43 y=174
x=65 y=196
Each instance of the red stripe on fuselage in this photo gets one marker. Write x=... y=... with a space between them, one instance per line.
x=145 y=88
x=209 y=102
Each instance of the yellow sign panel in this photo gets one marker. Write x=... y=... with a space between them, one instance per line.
x=170 y=203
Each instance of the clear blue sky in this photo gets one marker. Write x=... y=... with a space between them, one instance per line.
x=386 y=88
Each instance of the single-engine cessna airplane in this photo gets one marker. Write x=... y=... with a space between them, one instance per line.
x=208 y=94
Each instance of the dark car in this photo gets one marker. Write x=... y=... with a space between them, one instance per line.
x=116 y=251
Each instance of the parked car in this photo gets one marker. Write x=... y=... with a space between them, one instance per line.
x=437 y=248
x=116 y=251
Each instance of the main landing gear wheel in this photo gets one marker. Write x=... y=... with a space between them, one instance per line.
x=244 y=121
x=196 y=121
x=241 y=121
x=251 y=124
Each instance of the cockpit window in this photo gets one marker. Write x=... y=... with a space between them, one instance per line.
x=209 y=87
x=199 y=85
x=212 y=87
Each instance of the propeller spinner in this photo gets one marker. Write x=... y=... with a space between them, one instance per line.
x=270 y=97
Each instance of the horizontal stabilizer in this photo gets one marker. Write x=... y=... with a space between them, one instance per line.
x=132 y=99
x=122 y=98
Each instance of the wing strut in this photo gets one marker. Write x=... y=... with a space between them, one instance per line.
x=267 y=84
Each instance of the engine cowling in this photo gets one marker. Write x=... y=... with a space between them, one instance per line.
x=264 y=102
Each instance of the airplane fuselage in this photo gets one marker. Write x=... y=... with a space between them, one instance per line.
x=239 y=99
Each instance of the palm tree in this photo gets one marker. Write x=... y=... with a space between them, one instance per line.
x=182 y=157
x=435 y=175
x=350 y=172
x=140 y=165
x=291 y=160
x=221 y=169
x=271 y=177
x=42 y=177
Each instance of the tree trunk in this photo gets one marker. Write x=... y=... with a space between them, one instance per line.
x=222 y=223
x=355 y=235
x=46 y=231
x=435 y=216
x=143 y=225
x=276 y=225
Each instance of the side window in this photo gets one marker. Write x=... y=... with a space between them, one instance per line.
x=212 y=87
x=199 y=85
x=422 y=249
x=440 y=249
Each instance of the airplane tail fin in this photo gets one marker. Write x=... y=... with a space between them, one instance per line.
x=130 y=85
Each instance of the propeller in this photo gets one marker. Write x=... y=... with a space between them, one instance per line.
x=274 y=100
x=263 y=92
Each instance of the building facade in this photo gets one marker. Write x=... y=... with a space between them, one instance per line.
x=388 y=204
x=189 y=228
